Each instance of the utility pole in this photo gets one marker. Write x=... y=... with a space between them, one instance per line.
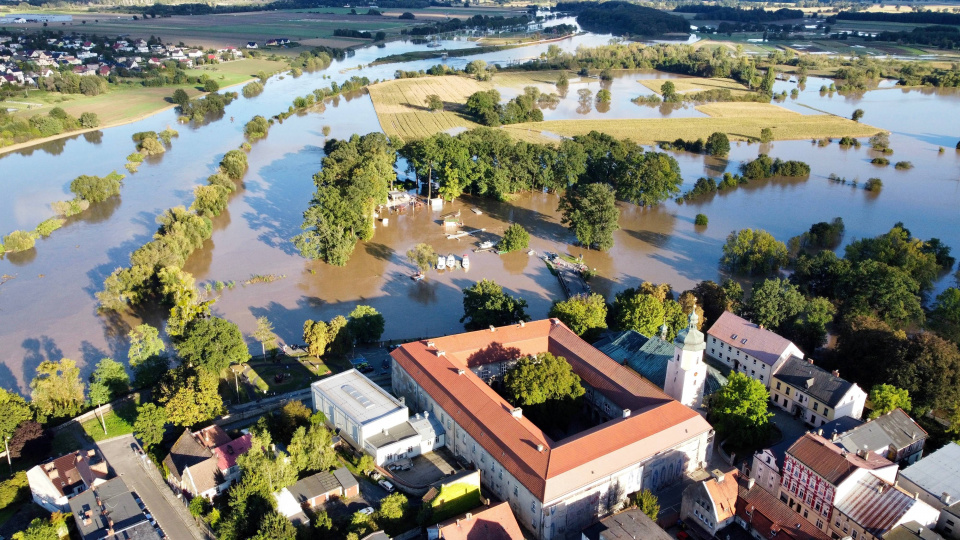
x=7 y=448
x=102 y=422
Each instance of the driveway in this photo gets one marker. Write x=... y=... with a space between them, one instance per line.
x=790 y=426
x=170 y=513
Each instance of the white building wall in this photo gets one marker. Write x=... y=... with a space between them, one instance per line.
x=351 y=428
x=765 y=472
x=44 y=493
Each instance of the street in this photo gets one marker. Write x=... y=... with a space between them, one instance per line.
x=171 y=515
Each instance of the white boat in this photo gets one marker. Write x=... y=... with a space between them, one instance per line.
x=486 y=245
x=466 y=261
x=451 y=261
x=476 y=211
x=441 y=263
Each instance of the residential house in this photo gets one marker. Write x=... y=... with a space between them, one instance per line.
x=54 y=483
x=710 y=505
x=289 y=508
x=748 y=348
x=642 y=438
x=494 y=522
x=109 y=511
x=817 y=474
x=627 y=525
x=252 y=45
x=870 y=507
x=767 y=466
x=203 y=464
x=935 y=478
x=949 y=522
x=313 y=491
x=894 y=435
x=815 y=394
x=764 y=516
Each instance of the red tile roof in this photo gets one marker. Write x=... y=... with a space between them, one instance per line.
x=724 y=494
x=493 y=523
x=227 y=453
x=831 y=462
x=212 y=436
x=656 y=421
x=767 y=515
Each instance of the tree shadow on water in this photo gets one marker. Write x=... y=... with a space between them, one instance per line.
x=38 y=350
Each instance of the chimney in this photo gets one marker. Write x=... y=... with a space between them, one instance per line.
x=835 y=373
x=460 y=372
x=880 y=488
x=836 y=435
x=426 y=414
x=522 y=324
x=441 y=353
x=810 y=361
x=493 y=328
x=919 y=531
x=718 y=474
x=430 y=344
x=820 y=432
x=945 y=498
x=916 y=495
x=750 y=483
x=539 y=448
x=555 y=321
x=626 y=413
x=516 y=412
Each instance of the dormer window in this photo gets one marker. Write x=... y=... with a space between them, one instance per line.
x=733 y=337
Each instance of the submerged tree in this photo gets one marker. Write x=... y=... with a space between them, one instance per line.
x=591 y=213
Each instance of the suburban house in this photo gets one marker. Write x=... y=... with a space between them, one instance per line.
x=204 y=463
x=316 y=490
x=748 y=348
x=641 y=438
x=710 y=505
x=109 y=511
x=763 y=515
x=54 y=483
x=370 y=419
x=869 y=507
x=815 y=394
x=949 y=522
x=817 y=475
x=935 y=478
x=627 y=525
x=494 y=522
x=894 y=435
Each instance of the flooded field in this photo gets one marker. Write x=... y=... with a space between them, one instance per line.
x=47 y=310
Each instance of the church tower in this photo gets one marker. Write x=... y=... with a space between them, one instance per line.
x=686 y=372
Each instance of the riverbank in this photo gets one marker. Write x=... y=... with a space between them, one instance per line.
x=127 y=104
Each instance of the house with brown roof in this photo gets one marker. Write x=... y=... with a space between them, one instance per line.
x=760 y=513
x=817 y=474
x=204 y=464
x=54 y=483
x=640 y=437
x=630 y=524
x=494 y=522
x=894 y=435
x=814 y=394
x=710 y=505
x=748 y=348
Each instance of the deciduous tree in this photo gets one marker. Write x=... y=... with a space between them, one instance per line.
x=15 y=409
x=586 y=315
x=886 y=397
x=485 y=304
x=264 y=334
x=422 y=256
x=753 y=252
x=541 y=379
x=212 y=345
x=311 y=449
x=190 y=396
x=147 y=355
x=57 y=390
x=366 y=324
x=315 y=335
x=108 y=381
x=150 y=424
x=739 y=409
x=591 y=213
x=515 y=238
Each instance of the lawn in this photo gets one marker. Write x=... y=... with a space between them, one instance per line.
x=453 y=500
x=293 y=375
x=119 y=421
x=696 y=84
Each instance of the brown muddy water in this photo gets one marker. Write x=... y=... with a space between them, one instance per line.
x=47 y=309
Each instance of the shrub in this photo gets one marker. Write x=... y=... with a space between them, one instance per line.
x=256 y=128
x=135 y=157
x=245 y=146
x=880 y=161
x=903 y=166
x=69 y=208
x=95 y=188
x=132 y=167
x=252 y=89
x=211 y=86
x=847 y=142
x=717 y=144
x=701 y=220
x=406 y=15
x=89 y=120
x=873 y=184
x=150 y=147
x=14 y=490
x=234 y=164
x=167 y=135
x=766 y=135
x=46 y=227
x=19 y=241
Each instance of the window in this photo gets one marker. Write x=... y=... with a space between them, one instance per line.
x=805 y=513
x=754 y=361
x=783 y=498
x=711 y=350
x=826 y=411
x=533 y=507
x=516 y=492
x=819 y=524
x=817 y=506
x=778 y=385
x=950 y=522
x=761 y=378
x=788 y=390
x=853 y=535
x=815 y=405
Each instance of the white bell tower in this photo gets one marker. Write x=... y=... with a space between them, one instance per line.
x=686 y=372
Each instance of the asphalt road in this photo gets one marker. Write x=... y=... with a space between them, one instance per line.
x=171 y=515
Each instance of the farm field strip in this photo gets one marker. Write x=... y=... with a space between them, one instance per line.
x=696 y=84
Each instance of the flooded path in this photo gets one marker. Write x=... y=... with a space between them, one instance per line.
x=48 y=310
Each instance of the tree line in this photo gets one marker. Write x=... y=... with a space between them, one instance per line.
x=477 y=22
x=738 y=14
x=915 y=17
x=624 y=18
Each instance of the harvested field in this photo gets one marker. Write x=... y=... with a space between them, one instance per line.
x=790 y=126
x=401 y=109
x=737 y=109
x=696 y=84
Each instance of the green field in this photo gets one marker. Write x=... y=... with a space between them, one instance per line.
x=263 y=374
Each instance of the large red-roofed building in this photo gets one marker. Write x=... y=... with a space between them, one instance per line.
x=641 y=439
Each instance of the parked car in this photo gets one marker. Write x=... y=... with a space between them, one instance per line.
x=375 y=475
x=366 y=511
x=365 y=368
x=385 y=484
x=386 y=364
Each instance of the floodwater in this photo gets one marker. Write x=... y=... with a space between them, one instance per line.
x=47 y=310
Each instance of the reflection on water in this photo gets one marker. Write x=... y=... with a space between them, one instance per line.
x=49 y=316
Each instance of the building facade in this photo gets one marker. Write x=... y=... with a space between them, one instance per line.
x=643 y=439
x=711 y=504
x=748 y=348
x=814 y=394
x=686 y=372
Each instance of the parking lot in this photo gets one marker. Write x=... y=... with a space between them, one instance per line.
x=429 y=468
